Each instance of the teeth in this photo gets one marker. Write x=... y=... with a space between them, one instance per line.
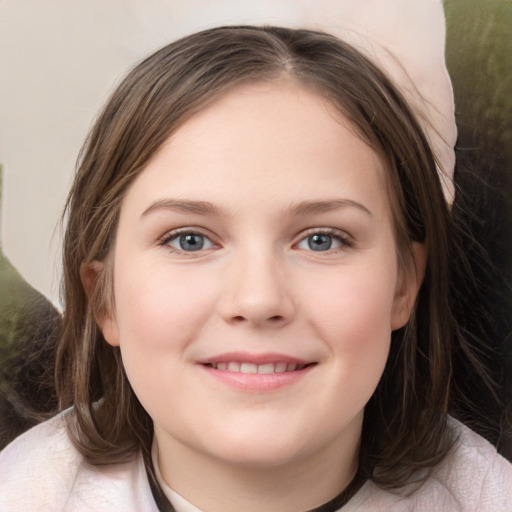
x=280 y=367
x=248 y=368
x=234 y=367
x=267 y=368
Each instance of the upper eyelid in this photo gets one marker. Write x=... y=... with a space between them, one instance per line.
x=345 y=239
x=323 y=231
x=174 y=233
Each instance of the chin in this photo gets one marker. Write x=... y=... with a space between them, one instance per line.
x=256 y=459
x=261 y=450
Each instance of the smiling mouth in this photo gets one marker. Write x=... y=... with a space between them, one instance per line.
x=265 y=369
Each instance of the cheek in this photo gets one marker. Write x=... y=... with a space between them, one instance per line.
x=356 y=301
x=352 y=314
x=158 y=312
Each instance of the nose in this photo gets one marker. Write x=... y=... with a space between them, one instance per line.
x=257 y=292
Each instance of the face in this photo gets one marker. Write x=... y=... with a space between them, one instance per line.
x=256 y=282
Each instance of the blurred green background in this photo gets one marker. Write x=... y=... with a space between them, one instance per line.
x=28 y=323
x=479 y=59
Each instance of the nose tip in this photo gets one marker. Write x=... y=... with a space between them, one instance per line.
x=258 y=294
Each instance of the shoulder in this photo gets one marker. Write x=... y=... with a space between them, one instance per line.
x=472 y=477
x=42 y=470
x=474 y=474
x=39 y=462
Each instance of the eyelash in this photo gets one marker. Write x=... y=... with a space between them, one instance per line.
x=173 y=235
x=342 y=238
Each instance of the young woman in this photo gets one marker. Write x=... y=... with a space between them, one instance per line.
x=256 y=286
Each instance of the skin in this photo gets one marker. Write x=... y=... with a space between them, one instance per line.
x=259 y=156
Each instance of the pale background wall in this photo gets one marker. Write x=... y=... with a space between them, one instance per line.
x=59 y=59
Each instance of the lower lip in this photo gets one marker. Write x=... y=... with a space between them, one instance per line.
x=257 y=382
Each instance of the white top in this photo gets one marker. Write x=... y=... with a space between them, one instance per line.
x=42 y=471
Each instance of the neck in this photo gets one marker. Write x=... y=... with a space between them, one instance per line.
x=215 y=485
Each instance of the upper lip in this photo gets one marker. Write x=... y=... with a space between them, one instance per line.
x=258 y=359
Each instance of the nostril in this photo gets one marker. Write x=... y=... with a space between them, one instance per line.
x=272 y=319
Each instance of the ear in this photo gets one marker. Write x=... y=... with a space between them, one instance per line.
x=409 y=284
x=93 y=280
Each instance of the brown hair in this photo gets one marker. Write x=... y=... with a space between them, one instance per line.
x=405 y=426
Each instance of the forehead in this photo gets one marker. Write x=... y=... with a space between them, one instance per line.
x=265 y=140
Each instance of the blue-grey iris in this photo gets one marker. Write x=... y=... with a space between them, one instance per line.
x=319 y=242
x=191 y=242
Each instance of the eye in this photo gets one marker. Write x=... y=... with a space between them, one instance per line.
x=322 y=241
x=188 y=241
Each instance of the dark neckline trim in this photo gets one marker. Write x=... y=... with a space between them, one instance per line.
x=161 y=501
x=344 y=496
x=164 y=505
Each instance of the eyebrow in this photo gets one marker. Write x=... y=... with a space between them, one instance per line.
x=181 y=206
x=310 y=207
x=207 y=208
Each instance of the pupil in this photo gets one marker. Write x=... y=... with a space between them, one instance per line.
x=319 y=242
x=191 y=242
